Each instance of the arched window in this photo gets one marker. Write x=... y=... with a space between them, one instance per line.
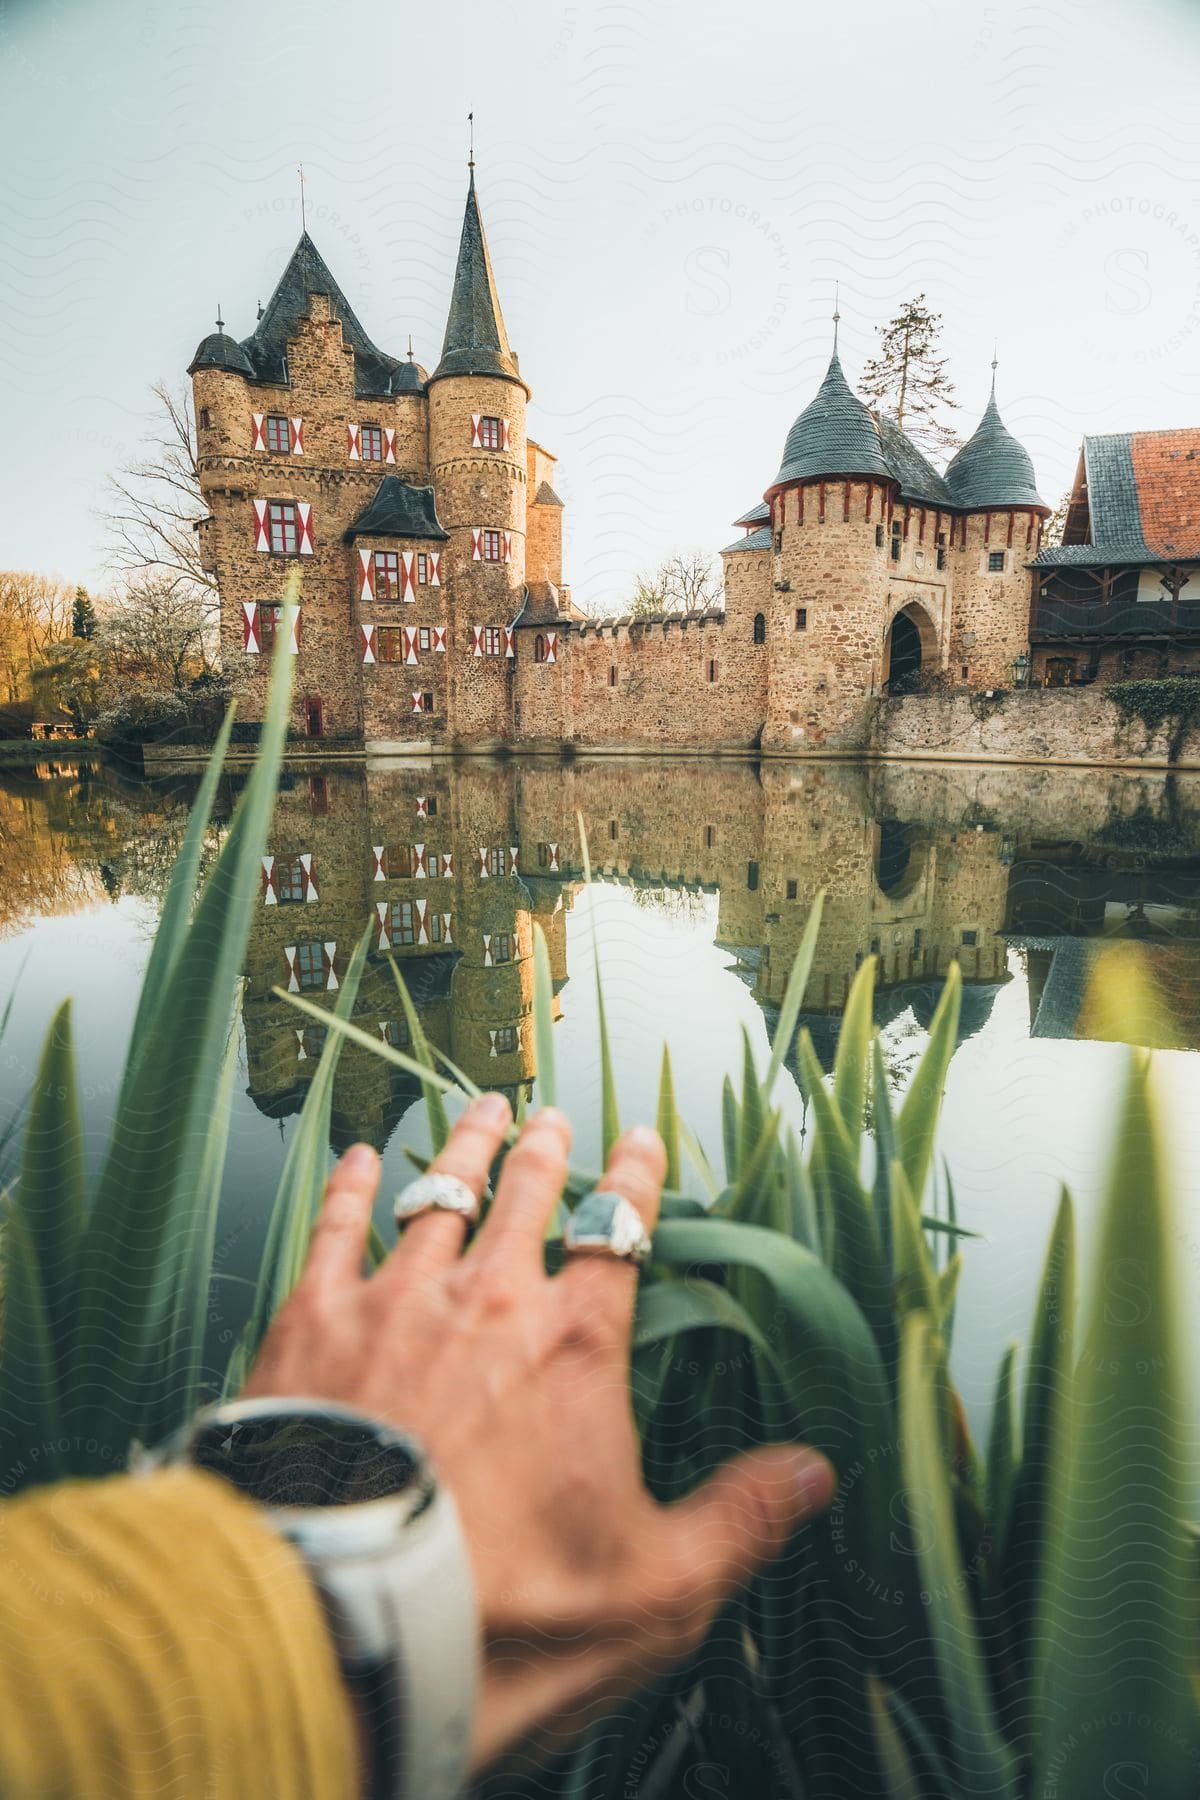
x=760 y=628
x=539 y=648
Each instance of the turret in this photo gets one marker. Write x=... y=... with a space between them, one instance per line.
x=478 y=459
x=1002 y=515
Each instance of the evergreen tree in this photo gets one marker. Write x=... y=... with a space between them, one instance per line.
x=83 y=615
x=908 y=378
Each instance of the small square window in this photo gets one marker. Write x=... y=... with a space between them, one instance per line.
x=403 y=922
x=506 y=1040
x=388 y=645
x=395 y=1032
x=278 y=438
x=310 y=965
x=501 y=947
x=492 y=546
x=802 y=618
x=314 y=1041
x=492 y=640
x=995 y=562
x=970 y=937
x=489 y=434
x=370 y=443
x=399 y=862
x=283 y=526
x=792 y=890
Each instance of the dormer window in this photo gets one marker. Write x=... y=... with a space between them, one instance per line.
x=370 y=441
x=278 y=437
x=489 y=434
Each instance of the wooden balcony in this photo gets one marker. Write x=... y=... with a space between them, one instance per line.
x=1058 y=621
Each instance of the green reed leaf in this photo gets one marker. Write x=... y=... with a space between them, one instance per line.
x=435 y=1111
x=851 y=1063
x=915 y=1279
x=1116 y=1611
x=917 y=1125
x=793 y=998
x=985 y=1763
x=543 y=1019
x=51 y=1187
x=1004 y=1448
x=730 y=1130
x=668 y=1120
x=610 y=1122
x=898 y=1772
x=752 y=1111
x=31 y=1424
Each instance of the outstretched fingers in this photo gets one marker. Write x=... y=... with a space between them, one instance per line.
x=339 y=1238
x=600 y=1290
x=434 y=1240
x=713 y=1542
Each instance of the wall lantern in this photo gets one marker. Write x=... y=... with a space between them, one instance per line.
x=1020 y=669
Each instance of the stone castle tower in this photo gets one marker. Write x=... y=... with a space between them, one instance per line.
x=863 y=568
x=418 y=513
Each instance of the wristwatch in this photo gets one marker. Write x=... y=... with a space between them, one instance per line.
x=386 y=1551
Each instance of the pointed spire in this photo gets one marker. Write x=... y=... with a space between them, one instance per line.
x=476 y=342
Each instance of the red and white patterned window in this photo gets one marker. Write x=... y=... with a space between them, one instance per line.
x=438 y=929
x=310 y=964
x=501 y=947
x=268 y=626
x=422 y=567
x=505 y=1040
x=399 y=862
x=289 y=883
x=389 y=643
x=403 y=922
x=284 y=528
x=495 y=862
x=539 y=648
x=279 y=439
x=423 y=702
x=493 y=546
x=370 y=443
x=489 y=434
x=387 y=575
x=492 y=640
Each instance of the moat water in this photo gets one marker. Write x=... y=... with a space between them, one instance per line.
x=704 y=875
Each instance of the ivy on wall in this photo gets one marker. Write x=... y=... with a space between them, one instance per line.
x=1172 y=701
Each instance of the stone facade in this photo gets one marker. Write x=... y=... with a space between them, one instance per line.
x=417 y=523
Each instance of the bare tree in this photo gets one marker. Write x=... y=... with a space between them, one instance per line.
x=1056 y=524
x=157 y=633
x=155 y=501
x=35 y=611
x=684 y=582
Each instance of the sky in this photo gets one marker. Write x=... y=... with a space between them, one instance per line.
x=670 y=191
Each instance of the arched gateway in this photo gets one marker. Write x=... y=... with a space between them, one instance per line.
x=910 y=647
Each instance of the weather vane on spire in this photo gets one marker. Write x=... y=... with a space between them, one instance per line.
x=303 y=221
x=220 y=320
x=837 y=289
x=471 y=154
x=995 y=363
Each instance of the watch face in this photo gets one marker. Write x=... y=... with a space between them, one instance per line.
x=297 y=1458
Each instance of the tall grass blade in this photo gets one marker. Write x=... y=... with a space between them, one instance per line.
x=917 y=1124
x=752 y=1111
x=145 y=1199
x=793 y=998
x=1117 y=1613
x=543 y=1019
x=50 y=1189
x=852 y=1061
x=730 y=1129
x=435 y=1111
x=898 y=1773
x=610 y=1122
x=1004 y=1449
x=985 y=1764
x=667 y=1121
x=31 y=1427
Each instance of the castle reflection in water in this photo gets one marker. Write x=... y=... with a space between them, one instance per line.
x=453 y=863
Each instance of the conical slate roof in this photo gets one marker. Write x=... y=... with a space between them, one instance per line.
x=476 y=342
x=834 y=435
x=219 y=351
x=307 y=273
x=992 y=469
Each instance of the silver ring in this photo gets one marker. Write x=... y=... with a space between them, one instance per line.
x=607 y=1225
x=436 y=1193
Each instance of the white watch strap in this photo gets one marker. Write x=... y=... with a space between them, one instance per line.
x=407 y=1617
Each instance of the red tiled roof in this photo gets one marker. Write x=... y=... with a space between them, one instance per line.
x=1166 y=468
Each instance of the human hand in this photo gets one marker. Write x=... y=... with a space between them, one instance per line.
x=517 y=1384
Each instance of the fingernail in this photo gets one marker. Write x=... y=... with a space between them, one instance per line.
x=816 y=1479
x=359 y=1159
x=643 y=1137
x=491 y=1109
x=550 y=1115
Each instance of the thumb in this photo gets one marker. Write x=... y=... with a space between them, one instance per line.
x=742 y=1516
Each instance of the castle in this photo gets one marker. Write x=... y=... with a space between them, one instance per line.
x=428 y=535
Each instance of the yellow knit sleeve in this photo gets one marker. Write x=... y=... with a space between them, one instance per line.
x=158 y=1638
